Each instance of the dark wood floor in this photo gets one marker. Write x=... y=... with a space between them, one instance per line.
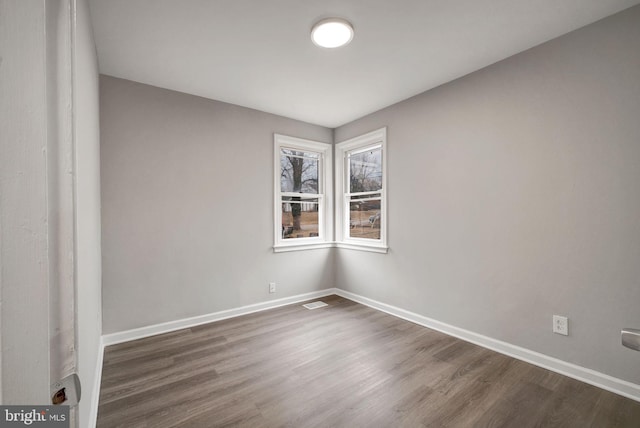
x=345 y=365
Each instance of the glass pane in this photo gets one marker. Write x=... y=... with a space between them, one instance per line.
x=364 y=219
x=298 y=171
x=299 y=218
x=365 y=171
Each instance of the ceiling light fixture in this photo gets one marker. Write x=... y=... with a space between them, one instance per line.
x=332 y=33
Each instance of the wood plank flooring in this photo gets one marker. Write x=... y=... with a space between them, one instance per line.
x=344 y=365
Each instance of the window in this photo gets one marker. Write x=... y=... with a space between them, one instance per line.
x=303 y=206
x=304 y=216
x=361 y=185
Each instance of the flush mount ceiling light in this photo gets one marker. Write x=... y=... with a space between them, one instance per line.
x=332 y=33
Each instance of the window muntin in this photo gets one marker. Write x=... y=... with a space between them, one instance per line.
x=302 y=208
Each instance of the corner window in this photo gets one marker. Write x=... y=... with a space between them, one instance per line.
x=361 y=219
x=303 y=206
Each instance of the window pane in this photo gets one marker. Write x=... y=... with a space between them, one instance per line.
x=299 y=218
x=365 y=171
x=364 y=219
x=298 y=171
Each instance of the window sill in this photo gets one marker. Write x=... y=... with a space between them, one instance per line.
x=382 y=249
x=301 y=247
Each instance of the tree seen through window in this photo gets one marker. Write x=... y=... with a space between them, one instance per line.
x=299 y=187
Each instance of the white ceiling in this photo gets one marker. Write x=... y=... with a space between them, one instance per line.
x=258 y=53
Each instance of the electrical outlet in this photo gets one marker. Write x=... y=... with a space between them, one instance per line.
x=272 y=287
x=561 y=325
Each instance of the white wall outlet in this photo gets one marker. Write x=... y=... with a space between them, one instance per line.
x=272 y=287
x=561 y=325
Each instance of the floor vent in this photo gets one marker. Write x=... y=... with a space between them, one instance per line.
x=315 y=305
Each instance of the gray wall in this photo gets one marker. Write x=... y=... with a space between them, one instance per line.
x=513 y=196
x=87 y=167
x=187 y=217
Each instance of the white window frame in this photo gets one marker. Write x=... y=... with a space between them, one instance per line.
x=377 y=138
x=325 y=195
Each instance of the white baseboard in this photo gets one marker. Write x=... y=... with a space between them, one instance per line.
x=152 y=330
x=95 y=397
x=592 y=377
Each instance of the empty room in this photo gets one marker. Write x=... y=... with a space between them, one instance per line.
x=321 y=214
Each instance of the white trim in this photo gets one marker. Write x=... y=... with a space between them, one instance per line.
x=152 y=330
x=324 y=195
x=363 y=247
x=377 y=138
x=296 y=143
x=299 y=246
x=374 y=138
x=592 y=377
x=95 y=397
